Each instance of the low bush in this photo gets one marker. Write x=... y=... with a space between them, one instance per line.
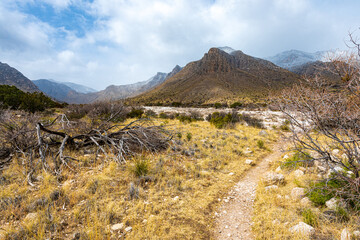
x=299 y=159
x=323 y=191
x=251 y=121
x=222 y=120
x=310 y=217
x=140 y=168
x=260 y=144
x=135 y=113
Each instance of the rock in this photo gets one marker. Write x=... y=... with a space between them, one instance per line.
x=263 y=133
x=297 y=193
x=230 y=174
x=286 y=156
x=298 y=173
x=303 y=228
x=335 y=152
x=305 y=201
x=31 y=217
x=332 y=203
x=278 y=169
x=356 y=234
x=350 y=174
x=176 y=198
x=117 y=227
x=272 y=187
x=272 y=178
x=128 y=229
x=321 y=169
x=345 y=234
x=249 y=162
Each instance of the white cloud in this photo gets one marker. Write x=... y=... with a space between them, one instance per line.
x=132 y=40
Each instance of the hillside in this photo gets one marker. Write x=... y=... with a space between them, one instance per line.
x=220 y=77
x=11 y=76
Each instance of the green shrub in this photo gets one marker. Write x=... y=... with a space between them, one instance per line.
x=251 y=121
x=323 y=191
x=141 y=168
x=310 y=217
x=135 y=113
x=299 y=159
x=217 y=105
x=222 y=120
x=236 y=105
x=179 y=135
x=176 y=104
x=260 y=144
x=188 y=136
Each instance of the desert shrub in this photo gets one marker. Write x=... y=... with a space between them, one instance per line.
x=260 y=144
x=196 y=116
x=217 y=105
x=251 y=121
x=299 y=159
x=184 y=118
x=176 y=104
x=140 y=168
x=222 y=120
x=324 y=190
x=188 y=136
x=179 y=135
x=236 y=105
x=150 y=113
x=310 y=217
x=135 y=113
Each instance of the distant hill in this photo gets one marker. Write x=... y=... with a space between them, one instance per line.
x=79 y=88
x=294 y=58
x=220 y=76
x=61 y=92
x=12 y=77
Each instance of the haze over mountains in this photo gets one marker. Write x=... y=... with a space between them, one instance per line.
x=223 y=74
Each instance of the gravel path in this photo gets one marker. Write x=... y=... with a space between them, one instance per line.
x=234 y=219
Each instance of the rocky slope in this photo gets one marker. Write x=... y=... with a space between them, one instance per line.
x=11 y=76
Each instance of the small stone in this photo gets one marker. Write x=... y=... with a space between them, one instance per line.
x=272 y=178
x=229 y=235
x=226 y=226
x=286 y=156
x=249 y=162
x=117 y=227
x=305 y=201
x=230 y=174
x=303 y=228
x=298 y=173
x=263 y=133
x=332 y=203
x=345 y=234
x=321 y=169
x=297 y=193
x=335 y=152
x=31 y=217
x=144 y=221
x=271 y=187
x=128 y=229
x=278 y=169
x=176 y=198
x=356 y=234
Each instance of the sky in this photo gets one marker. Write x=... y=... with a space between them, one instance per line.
x=112 y=42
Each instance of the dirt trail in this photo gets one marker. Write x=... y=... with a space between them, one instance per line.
x=234 y=219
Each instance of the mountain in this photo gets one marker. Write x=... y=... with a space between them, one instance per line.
x=61 y=92
x=11 y=76
x=79 y=88
x=220 y=76
x=294 y=58
x=113 y=92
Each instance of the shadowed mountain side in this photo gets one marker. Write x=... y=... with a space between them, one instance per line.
x=11 y=76
x=220 y=76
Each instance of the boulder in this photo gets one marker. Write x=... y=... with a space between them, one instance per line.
x=345 y=234
x=297 y=193
x=272 y=178
x=303 y=228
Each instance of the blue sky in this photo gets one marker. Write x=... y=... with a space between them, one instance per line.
x=104 y=42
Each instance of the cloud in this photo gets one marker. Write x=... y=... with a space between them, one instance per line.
x=130 y=41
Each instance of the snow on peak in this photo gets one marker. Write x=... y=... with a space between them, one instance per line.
x=226 y=49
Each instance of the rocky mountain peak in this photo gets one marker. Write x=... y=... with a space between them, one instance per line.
x=216 y=60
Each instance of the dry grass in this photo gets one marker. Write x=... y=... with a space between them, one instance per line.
x=175 y=200
x=275 y=211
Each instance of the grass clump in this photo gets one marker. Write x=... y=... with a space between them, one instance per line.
x=188 y=136
x=324 y=190
x=299 y=159
x=260 y=144
x=140 y=168
x=310 y=217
